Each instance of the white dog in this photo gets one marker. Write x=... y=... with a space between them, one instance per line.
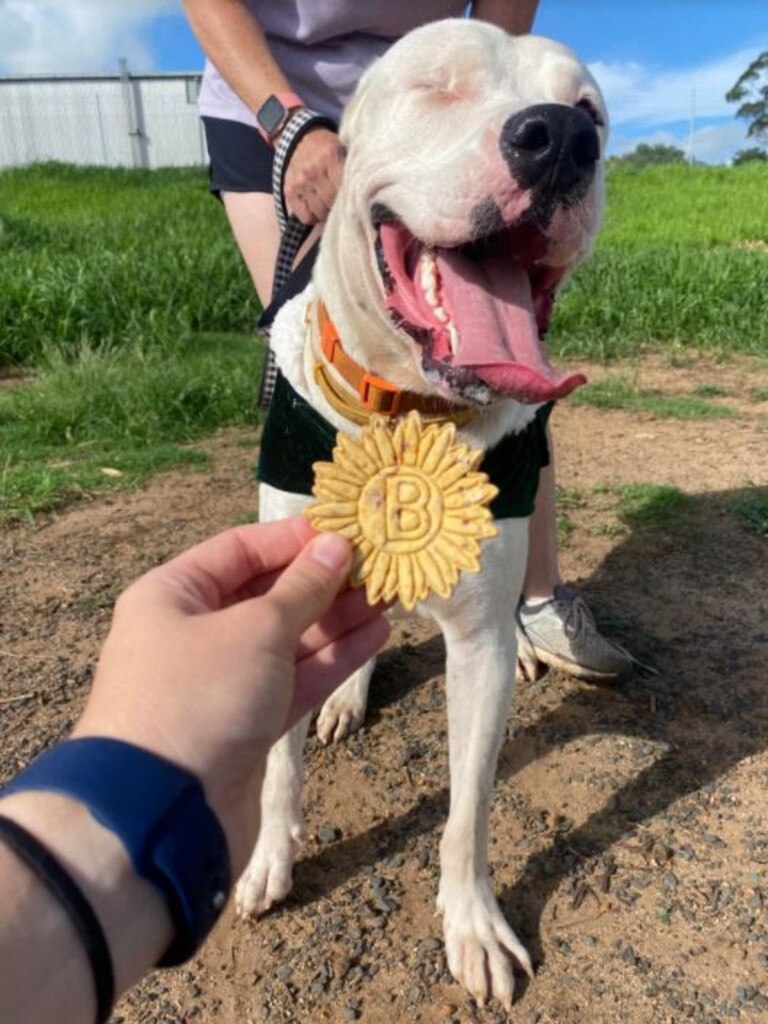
x=472 y=187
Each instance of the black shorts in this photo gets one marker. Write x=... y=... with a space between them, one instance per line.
x=241 y=161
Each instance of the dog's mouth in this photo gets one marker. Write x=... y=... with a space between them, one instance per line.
x=478 y=311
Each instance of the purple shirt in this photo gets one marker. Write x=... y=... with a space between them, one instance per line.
x=323 y=46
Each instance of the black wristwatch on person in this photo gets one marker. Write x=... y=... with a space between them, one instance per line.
x=275 y=112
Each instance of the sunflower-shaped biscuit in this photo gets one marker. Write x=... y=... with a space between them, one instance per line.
x=411 y=502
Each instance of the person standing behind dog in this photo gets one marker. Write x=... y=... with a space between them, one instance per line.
x=269 y=61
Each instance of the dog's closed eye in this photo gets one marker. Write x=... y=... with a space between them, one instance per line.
x=442 y=89
x=449 y=78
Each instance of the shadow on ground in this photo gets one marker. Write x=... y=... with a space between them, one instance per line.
x=688 y=596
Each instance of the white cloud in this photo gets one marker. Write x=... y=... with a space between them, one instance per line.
x=716 y=144
x=712 y=144
x=624 y=144
x=639 y=95
x=50 y=36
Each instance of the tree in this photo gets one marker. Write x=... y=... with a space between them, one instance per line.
x=747 y=156
x=751 y=91
x=644 y=155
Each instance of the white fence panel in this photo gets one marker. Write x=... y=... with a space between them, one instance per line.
x=173 y=128
x=112 y=121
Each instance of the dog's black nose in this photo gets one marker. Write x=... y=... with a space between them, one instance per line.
x=551 y=147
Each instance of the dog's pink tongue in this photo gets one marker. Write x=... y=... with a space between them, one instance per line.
x=491 y=307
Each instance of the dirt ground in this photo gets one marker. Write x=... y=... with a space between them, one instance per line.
x=628 y=835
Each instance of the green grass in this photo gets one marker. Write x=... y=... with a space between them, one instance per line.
x=36 y=480
x=710 y=391
x=709 y=206
x=652 y=506
x=114 y=257
x=126 y=304
x=569 y=498
x=565 y=529
x=752 y=510
x=642 y=507
x=110 y=256
x=124 y=294
x=98 y=601
x=131 y=412
x=620 y=393
x=668 y=272
x=631 y=297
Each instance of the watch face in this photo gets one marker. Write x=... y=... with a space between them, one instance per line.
x=271 y=114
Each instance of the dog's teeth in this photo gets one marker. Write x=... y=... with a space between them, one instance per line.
x=453 y=337
x=428 y=277
x=428 y=280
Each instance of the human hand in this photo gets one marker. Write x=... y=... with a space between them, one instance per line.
x=212 y=656
x=313 y=176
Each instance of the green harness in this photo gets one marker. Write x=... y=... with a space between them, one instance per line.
x=296 y=436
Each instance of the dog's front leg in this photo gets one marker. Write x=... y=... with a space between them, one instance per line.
x=269 y=875
x=344 y=711
x=479 y=628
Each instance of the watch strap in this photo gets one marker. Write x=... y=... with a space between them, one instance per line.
x=290 y=100
x=160 y=814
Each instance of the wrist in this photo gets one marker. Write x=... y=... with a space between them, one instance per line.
x=132 y=912
x=238 y=810
x=233 y=801
x=159 y=813
x=274 y=114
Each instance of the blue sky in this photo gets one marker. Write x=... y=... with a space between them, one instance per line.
x=658 y=61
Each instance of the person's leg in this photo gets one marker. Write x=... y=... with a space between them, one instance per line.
x=254 y=224
x=557 y=626
x=241 y=176
x=542 y=574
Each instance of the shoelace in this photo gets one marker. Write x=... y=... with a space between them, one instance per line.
x=578 y=617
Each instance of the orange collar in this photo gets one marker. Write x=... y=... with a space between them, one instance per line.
x=371 y=395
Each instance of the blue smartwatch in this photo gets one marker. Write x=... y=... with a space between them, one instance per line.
x=160 y=814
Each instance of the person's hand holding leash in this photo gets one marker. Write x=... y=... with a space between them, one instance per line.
x=313 y=176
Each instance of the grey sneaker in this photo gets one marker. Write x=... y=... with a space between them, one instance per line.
x=563 y=634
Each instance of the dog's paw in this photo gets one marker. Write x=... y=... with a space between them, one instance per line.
x=269 y=875
x=479 y=944
x=343 y=713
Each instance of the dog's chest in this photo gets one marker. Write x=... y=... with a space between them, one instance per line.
x=296 y=436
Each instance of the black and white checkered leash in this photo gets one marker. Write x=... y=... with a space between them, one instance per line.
x=292 y=231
